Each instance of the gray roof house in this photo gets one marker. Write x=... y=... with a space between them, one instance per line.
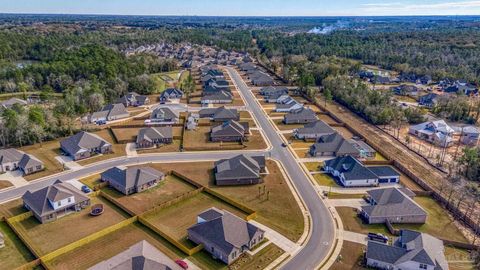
x=133 y=99
x=12 y=159
x=230 y=131
x=171 y=95
x=110 y=112
x=224 y=235
x=429 y=100
x=140 y=256
x=350 y=172
x=220 y=97
x=84 y=144
x=220 y=114
x=132 y=180
x=7 y=104
x=313 y=130
x=412 y=250
x=301 y=116
x=437 y=132
x=274 y=90
x=393 y=205
x=239 y=170
x=287 y=104
x=165 y=115
x=470 y=135
x=333 y=145
x=54 y=201
x=385 y=174
x=151 y=136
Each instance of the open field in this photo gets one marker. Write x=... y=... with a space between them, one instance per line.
x=15 y=253
x=118 y=149
x=46 y=152
x=138 y=203
x=51 y=236
x=110 y=245
x=165 y=80
x=438 y=224
x=199 y=140
x=350 y=257
x=177 y=218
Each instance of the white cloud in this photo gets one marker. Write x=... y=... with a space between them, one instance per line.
x=446 y=8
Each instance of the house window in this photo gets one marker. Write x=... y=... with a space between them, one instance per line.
x=59 y=203
x=69 y=200
x=423 y=266
x=212 y=249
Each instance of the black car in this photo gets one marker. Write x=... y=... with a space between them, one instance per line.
x=377 y=237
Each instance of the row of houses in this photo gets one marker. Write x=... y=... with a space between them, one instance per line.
x=257 y=76
x=216 y=89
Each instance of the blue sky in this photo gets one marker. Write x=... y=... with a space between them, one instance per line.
x=245 y=7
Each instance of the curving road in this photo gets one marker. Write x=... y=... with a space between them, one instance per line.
x=323 y=229
x=322 y=235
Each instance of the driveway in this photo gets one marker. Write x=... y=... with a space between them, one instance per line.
x=281 y=241
x=355 y=237
x=356 y=203
x=14 y=177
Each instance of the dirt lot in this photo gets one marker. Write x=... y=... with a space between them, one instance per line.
x=176 y=219
x=118 y=149
x=199 y=140
x=110 y=245
x=138 y=203
x=350 y=257
x=46 y=152
x=51 y=236
x=15 y=253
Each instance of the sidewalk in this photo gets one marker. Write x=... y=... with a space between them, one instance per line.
x=355 y=237
x=281 y=241
x=356 y=203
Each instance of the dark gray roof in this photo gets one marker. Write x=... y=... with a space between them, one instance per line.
x=219 y=113
x=226 y=232
x=133 y=176
x=221 y=95
x=351 y=168
x=82 y=141
x=316 y=128
x=210 y=214
x=334 y=143
x=392 y=202
x=164 y=113
x=384 y=171
x=229 y=128
x=111 y=110
x=29 y=161
x=239 y=167
x=302 y=114
x=39 y=201
x=10 y=155
x=172 y=93
x=154 y=133
x=410 y=246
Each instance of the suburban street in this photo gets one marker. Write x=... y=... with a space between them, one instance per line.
x=323 y=230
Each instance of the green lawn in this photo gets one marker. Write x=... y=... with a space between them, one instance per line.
x=313 y=166
x=324 y=179
x=15 y=253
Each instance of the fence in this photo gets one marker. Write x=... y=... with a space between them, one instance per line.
x=180 y=198
x=25 y=239
x=251 y=213
x=31 y=265
x=116 y=203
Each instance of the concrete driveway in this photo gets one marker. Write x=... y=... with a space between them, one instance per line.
x=355 y=203
x=14 y=177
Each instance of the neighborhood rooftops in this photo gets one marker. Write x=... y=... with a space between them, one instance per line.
x=333 y=143
x=239 y=167
x=317 y=127
x=392 y=202
x=153 y=134
x=351 y=168
x=131 y=177
x=110 y=112
x=82 y=142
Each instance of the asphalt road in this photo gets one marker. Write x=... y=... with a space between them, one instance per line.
x=323 y=229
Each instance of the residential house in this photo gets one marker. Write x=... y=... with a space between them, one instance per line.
x=133 y=179
x=437 y=132
x=225 y=236
x=152 y=136
x=350 y=172
x=57 y=200
x=262 y=80
x=301 y=116
x=381 y=80
x=429 y=100
x=172 y=95
x=411 y=251
x=220 y=114
x=12 y=159
x=84 y=145
x=393 y=205
x=221 y=97
x=133 y=99
x=470 y=135
x=287 y=104
x=230 y=131
x=365 y=150
x=425 y=80
x=9 y=103
x=333 y=145
x=192 y=121
x=110 y=112
x=279 y=99
x=140 y=256
x=165 y=115
x=273 y=91
x=313 y=131
x=239 y=170
x=405 y=90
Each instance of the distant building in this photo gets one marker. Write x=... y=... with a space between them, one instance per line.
x=109 y=113
x=133 y=99
x=429 y=100
x=301 y=116
x=437 y=132
x=224 y=235
x=220 y=97
x=55 y=201
x=84 y=145
x=470 y=135
x=412 y=250
x=172 y=95
x=132 y=180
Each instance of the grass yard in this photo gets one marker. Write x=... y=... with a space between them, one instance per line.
x=12 y=208
x=302 y=153
x=345 y=132
x=350 y=257
x=282 y=126
x=201 y=172
x=379 y=157
x=46 y=152
x=125 y=134
x=336 y=196
x=138 y=203
x=92 y=180
x=313 y=166
x=327 y=119
x=458 y=259
x=260 y=260
x=118 y=149
x=165 y=80
x=51 y=236
x=5 y=184
x=199 y=140
x=324 y=179
x=110 y=245
x=354 y=224
x=177 y=218
x=15 y=253
x=164 y=148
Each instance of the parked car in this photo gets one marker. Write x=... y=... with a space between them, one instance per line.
x=182 y=264
x=86 y=189
x=378 y=237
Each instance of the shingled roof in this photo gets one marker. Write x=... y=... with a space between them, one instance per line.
x=82 y=142
x=316 y=128
x=351 y=168
x=239 y=167
x=154 y=133
x=229 y=128
x=334 y=143
x=10 y=155
x=132 y=177
x=226 y=231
